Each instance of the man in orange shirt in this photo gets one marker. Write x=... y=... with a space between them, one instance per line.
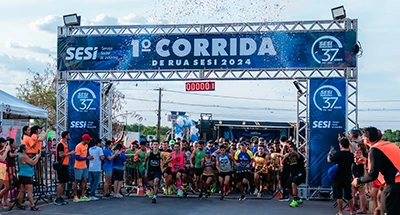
x=81 y=170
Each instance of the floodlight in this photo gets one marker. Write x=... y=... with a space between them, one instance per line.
x=338 y=13
x=72 y=20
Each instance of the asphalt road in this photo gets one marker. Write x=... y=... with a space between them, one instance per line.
x=175 y=206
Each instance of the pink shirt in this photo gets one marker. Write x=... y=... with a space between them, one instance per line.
x=178 y=162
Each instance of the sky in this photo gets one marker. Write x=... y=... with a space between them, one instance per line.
x=29 y=36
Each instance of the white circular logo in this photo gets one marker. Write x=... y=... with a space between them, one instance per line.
x=326 y=97
x=82 y=100
x=325 y=49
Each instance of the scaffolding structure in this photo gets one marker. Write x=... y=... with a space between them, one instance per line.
x=301 y=75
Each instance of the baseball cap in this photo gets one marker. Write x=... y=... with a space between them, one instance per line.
x=86 y=137
x=208 y=151
x=243 y=144
x=172 y=142
x=2 y=140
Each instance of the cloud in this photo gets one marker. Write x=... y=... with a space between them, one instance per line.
x=47 y=24
x=12 y=63
x=27 y=46
x=103 y=19
x=132 y=19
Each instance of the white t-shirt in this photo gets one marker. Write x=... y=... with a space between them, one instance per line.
x=95 y=164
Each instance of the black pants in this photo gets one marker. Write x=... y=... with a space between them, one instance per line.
x=284 y=178
x=390 y=201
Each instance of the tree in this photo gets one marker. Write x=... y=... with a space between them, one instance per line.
x=40 y=91
x=392 y=136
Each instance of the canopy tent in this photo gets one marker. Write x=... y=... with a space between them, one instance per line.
x=13 y=108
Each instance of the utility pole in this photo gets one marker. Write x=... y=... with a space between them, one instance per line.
x=159 y=114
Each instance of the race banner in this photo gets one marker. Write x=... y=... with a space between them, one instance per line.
x=83 y=112
x=327 y=111
x=265 y=50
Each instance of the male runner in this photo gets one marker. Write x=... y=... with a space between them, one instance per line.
x=80 y=166
x=297 y=175
x=153 y=162
x=208 y=174
x=243 y=162
x=177 y=159
x=225 y=168
x=131 y=166
x=139 y=159
x=261 y=160
x=196 y=162
x=284 y=142
x=187 y=176
x=166 y=167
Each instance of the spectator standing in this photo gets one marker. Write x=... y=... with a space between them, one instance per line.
x=384 y=165
x=81 y=170
x=118 y=170
x=62 y=155
x=342 y=182
x=95 y=168
x=108 y=168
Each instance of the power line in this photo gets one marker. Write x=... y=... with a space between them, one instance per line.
x=257 y=99
x=212 y=106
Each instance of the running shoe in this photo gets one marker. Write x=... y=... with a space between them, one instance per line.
x=118 y=196
x=242 y=198
x=58 y=202
x=165 y=191
x=76 y=199
x=94 y=198
x=154 y=200
x=299 y=201
x=169 y=192
x=284 y=199
x=63 y=201
x=294 y=204
x=107 y=196
x=149 y=194
x=259 y=195
x=255 y=192
x=84 y=199
x=180 y=193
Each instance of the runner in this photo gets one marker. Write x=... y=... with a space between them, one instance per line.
x=177 y=159
x=225 y=168
x=139 y=160
x=297 y=175
x=187 y=176
x=131 y=166
x=196 y=163
x=208 y=173
x=166 y=167
x=153 y=162
x=243 y=162
x=284 y=145
x=261 y=176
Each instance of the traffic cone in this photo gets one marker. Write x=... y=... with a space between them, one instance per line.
x=140 y=191
x=278 y=195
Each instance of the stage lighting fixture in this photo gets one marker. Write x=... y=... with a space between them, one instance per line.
x=72 y=20
x=338 y=13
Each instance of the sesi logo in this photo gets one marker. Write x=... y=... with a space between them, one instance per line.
x=321 y=124
x=78 y=124
x=81 y=53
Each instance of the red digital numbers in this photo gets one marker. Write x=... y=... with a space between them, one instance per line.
x=200 y=86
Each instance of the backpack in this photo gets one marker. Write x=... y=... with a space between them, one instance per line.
x=332 y=172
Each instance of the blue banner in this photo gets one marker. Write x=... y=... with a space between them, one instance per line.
x=327 y=111
x=83 y=112
x=208 y=51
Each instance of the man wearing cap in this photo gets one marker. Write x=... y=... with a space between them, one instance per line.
x=81 y=170
x=243 y=161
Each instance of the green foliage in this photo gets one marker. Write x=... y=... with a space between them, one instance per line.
x=148 y=130
x=40 y=91
x=392 y=136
